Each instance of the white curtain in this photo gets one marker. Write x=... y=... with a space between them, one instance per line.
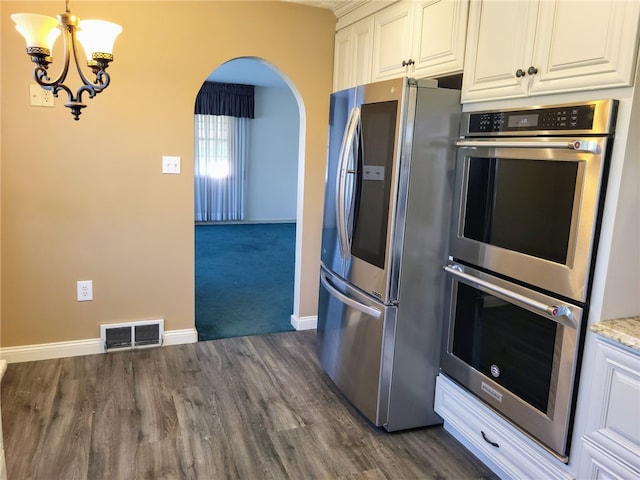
x=220 y=157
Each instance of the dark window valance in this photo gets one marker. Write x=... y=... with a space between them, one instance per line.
x=229 y=99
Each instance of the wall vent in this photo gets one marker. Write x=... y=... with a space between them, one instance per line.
x=119 y=336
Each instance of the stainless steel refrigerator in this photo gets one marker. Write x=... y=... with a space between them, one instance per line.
x=384 y=238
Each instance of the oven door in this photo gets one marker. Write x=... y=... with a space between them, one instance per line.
x=528 y=209
x=515 y=349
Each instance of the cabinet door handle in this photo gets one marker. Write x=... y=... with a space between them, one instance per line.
x=407 y=63
x=520 y=73
x=484 y=437
x=532 y=70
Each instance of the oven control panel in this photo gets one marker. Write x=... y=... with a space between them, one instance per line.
x=597 y=117
x=578 y=117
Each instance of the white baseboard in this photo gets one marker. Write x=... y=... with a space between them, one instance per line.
x=47 y=351
x=304 y=323
x=178 y=337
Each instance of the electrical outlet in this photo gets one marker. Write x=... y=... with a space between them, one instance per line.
x=47 y=98
x=85 y=290
x=40 y=97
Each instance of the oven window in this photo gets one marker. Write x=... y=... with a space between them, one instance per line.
x=375 y=170
x=521 y=205
x=508 y=344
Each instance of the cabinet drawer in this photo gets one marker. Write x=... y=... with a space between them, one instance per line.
x=511 y=450
x=607 y=455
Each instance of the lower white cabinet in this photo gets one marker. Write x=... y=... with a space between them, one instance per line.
x=515 y=455
x=611 y=448
x=607 y=456
x=3 y=468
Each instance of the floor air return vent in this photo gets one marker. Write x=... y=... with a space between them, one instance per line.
x=122 y=336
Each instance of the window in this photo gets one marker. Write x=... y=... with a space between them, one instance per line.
x=212 y=146
x=222 y=113
x=220 y=157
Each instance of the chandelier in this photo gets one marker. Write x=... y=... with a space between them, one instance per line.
x=96 y=37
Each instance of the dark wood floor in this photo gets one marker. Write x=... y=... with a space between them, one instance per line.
x=248 y=408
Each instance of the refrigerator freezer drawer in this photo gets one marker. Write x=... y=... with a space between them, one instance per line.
x=355 y=345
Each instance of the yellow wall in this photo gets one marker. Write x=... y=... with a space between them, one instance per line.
x=87 y=200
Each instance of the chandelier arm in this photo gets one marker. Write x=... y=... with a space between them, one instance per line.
x=92 y=88
x=40 y=71
x=103 y=78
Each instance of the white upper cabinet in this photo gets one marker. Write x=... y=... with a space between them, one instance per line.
x=408 y=38
x=585 y=45
x=352 y=55
x=362 y=44
x=342 y=60
x=439 y=33
x=420 y=39
x=500 y=36
x=515 y=49
x=392 y=29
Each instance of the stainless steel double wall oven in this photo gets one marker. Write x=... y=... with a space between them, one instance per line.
x=529 y=191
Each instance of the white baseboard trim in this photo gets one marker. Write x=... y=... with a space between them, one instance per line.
x=47 y=351
x=304 y=323
x=178 y=337
x=75 y=348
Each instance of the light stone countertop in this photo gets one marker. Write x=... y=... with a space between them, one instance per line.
x=625 y=331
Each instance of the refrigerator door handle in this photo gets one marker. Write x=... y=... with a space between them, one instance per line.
x=346 y=147
x=372 y=312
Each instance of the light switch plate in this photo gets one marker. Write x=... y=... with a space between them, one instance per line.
x=170 y=164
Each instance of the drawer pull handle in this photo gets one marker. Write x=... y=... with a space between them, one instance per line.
x=494 y=444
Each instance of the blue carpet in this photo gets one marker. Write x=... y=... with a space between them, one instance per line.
x=244 y=279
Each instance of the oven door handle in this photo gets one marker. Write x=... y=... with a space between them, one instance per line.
x=576 y=145
x=556 y=312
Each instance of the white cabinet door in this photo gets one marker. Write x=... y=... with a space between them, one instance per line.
x=352 y=55
x=585 y=45
x=392 y=29
x=439 y=32
x=499 y=48
x=611 y=447
x=362 y=44
x=342 y=63
x=516 y=49
x=3 y=468
x=410 y=38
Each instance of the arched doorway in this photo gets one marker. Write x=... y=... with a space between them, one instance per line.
x=232 y=290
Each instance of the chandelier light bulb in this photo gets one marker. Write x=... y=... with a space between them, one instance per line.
x=97 y=37
x=39 y=31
